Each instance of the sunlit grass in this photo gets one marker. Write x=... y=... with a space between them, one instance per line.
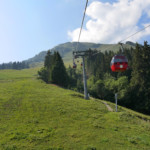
x=39 y=116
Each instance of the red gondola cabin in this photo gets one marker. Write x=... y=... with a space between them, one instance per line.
x=74 y=65
x=119 y=63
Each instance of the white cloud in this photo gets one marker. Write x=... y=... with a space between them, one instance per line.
x=110 y=23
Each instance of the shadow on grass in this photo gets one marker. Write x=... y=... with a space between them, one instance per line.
x=77 y=95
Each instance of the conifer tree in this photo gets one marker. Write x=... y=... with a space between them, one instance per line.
x=58 y=73
x=140 y=81
x=45 y=72
x=48 y=60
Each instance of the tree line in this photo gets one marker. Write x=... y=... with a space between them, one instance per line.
x=55 y=72
x=132 y=86
x=14 y=65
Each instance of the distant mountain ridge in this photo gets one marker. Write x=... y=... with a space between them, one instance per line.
x=66 y=50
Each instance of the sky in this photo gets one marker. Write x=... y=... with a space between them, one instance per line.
x=28 y=27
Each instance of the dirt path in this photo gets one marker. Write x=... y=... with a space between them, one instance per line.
x=108 y=107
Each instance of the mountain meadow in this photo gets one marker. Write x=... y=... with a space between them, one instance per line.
x=35 y=115
x=66 y=50
x=42 y=108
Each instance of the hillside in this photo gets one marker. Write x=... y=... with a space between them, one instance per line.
x=66 y=49
x=39 y=116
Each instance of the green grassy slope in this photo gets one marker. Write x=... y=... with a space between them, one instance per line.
x=39 y=116
x=112 y=47
x=66 y=50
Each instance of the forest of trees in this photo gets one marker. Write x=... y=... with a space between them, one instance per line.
x=55 y=72
x=132 y=86
x=14 y=65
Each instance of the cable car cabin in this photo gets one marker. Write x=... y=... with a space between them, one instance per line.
x=119 y=63
x=74 y=66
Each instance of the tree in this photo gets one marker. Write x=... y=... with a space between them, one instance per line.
x=58 y=72
x=72 y=77
x=48 y=60
x=140 y=81
x=54 y=70
x=45 y=72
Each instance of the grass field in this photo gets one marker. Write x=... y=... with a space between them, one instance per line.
x=39 y=116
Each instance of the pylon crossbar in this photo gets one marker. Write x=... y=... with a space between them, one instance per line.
x=81 y=53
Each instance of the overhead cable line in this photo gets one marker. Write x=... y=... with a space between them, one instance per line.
x=126 y=38
x=82 y=24
x=134 y=33
x=82 y=54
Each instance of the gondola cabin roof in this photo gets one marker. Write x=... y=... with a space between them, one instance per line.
x=119 y=58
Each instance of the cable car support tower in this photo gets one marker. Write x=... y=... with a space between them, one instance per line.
x=82 y=54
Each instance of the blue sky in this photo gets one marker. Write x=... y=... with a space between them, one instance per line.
x=28 y=27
